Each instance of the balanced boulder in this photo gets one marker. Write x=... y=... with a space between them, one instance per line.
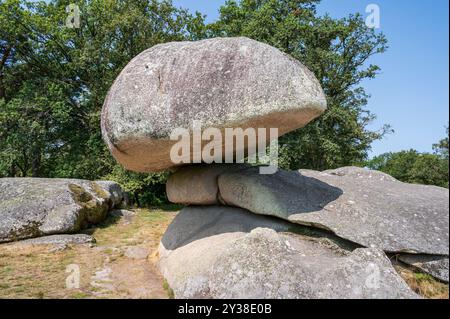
x=221 y=82
x=34 y=207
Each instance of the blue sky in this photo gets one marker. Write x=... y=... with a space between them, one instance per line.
x=411 y=93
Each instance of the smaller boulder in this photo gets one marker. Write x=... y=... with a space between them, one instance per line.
x=78 y=239
x=197 y=185
x=116 y=194
x=35 y=207
x=367 y=207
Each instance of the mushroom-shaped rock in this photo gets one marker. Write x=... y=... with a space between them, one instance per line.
x=220 y=83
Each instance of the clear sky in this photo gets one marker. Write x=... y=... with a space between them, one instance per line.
x=411 y=93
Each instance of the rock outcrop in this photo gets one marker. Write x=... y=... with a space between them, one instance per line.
x=367 y=207
x=299 y=234
x=34 y=207
x=259 y=257
x=221 y=82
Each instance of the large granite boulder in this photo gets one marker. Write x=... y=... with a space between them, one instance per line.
x=281 y=194
x=375 y=210
x=221 y=82
x=34 y=207
x=367 y=207
x=223 y=252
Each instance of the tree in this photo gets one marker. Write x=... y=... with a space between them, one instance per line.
x=429 y=169
x=441 y=148
x=146 y=189
x=53 y=79
x=398 y=165
x=337 y=51
x=414 y=167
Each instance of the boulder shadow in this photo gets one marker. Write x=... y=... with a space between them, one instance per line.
x=281 y=194
x=292 y=192
x=198 y=222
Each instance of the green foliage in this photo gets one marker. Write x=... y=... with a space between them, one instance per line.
x=337 y=51
x=146 y=189
x=398 y=165
x=413 y=167
x=53 y=80
x=441 y=148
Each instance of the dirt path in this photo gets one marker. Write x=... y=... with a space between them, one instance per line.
x=120 y=265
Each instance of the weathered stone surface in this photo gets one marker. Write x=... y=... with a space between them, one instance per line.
x=77 y=239
x=197 y=222
x=197 y=185
x=34 y=207
x=436 y=266
x=367 y=207
x=281 y=194
x=115 y=191
x=222 y=82
x=222 y=252
x=375 y=210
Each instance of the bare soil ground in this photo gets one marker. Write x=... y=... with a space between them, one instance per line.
x=122 y=264
x=106 y=269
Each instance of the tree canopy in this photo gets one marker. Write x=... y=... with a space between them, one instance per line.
x=338 y=52
x=414 y=167
x=53 y=79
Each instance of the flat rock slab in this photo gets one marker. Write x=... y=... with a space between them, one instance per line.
x=369 y=208
x=78 y=239
x=254 y=262
x=221 y=82
x=436 y=266
x=34 y=207
x=136 y=252
x=375 y=210
x=194 y=223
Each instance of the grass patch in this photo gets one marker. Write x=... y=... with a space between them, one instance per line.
x=146 y=224
x=168 y=207
x=168 y=290
x=423 y=284
x=79 y=295
x=35 y=272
